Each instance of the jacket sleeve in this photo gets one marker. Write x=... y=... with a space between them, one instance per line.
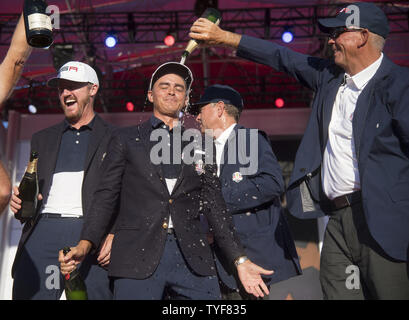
x=262 y=187
x=304 y=68
x=104 y=205
x=220 y=221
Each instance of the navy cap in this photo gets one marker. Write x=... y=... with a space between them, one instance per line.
x=172 y=67
x=216 y=93
x=364 y=15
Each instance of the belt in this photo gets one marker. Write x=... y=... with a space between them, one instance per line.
x=345 y=200
x=58 y=215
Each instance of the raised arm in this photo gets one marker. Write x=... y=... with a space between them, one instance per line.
x=303 y=67
x=13 y=64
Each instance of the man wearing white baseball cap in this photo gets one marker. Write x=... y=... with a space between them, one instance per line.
x=70 y=155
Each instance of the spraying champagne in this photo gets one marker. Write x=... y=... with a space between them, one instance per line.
x=210 y=14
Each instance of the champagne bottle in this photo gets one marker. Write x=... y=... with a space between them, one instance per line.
x=75 y=288
x=211 y=14
x=28 y=190
x=37 y=23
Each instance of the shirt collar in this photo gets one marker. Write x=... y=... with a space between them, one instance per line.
x=363 y=77
x=87 y=126
x=156 y=123
x=221 y=140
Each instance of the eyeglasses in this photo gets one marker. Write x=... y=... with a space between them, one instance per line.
x=335 y=33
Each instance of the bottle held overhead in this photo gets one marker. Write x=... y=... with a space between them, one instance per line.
x=28 y=190
x=74 y=286
x=39 y=30
x=210 y=14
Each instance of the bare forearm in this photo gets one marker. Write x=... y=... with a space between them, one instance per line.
x=5 y=188
x=13 y=64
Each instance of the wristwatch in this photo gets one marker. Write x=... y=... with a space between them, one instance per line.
x=240 y=260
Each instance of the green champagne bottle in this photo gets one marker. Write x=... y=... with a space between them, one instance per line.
x=210 y=14
x=39 y=30
x=75 y=288
x=28 y=190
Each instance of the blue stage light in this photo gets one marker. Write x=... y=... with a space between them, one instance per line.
x=287 y=36
x=111 y=40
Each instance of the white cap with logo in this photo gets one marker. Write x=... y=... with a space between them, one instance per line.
x=75 y=71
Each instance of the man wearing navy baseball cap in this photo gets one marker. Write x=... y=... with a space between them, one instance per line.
x=353 y=162
x=253 y=199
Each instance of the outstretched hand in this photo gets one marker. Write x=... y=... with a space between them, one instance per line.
x=250 y=277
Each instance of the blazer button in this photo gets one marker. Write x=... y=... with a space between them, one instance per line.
x=170 y=201
x=165 y=225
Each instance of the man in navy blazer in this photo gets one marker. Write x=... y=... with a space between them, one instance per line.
x=353 y=161
x=158 y=244
x=252 y=184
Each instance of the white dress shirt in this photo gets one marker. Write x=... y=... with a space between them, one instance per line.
x=219 y=143
x=339 y=170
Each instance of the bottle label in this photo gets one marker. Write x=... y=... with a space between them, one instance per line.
x=39 y=21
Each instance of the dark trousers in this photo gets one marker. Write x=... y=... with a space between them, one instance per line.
x=354 y=266
x=37 y=275
x=172 y=274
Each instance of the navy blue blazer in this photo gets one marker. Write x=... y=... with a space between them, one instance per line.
x=133 y=182
x=254 y=202
x=381 y=133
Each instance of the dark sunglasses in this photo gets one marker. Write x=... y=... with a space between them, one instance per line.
x=335 y=33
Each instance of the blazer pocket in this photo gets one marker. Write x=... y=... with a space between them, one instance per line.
x=400 y=192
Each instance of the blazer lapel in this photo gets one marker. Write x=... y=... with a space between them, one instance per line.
x=230 y=143
x=361 y=110
x=366 y=101
x=181 y=175
x=328 y=103
x=50 y=156
x=98 y=131
x=144 y=134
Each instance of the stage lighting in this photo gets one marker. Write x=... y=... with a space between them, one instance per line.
x=32 y=108
x=111 y=39
x=287 y=36
x=169 y=40
x=130 y=106
x=131 y=28
x=279 y=102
